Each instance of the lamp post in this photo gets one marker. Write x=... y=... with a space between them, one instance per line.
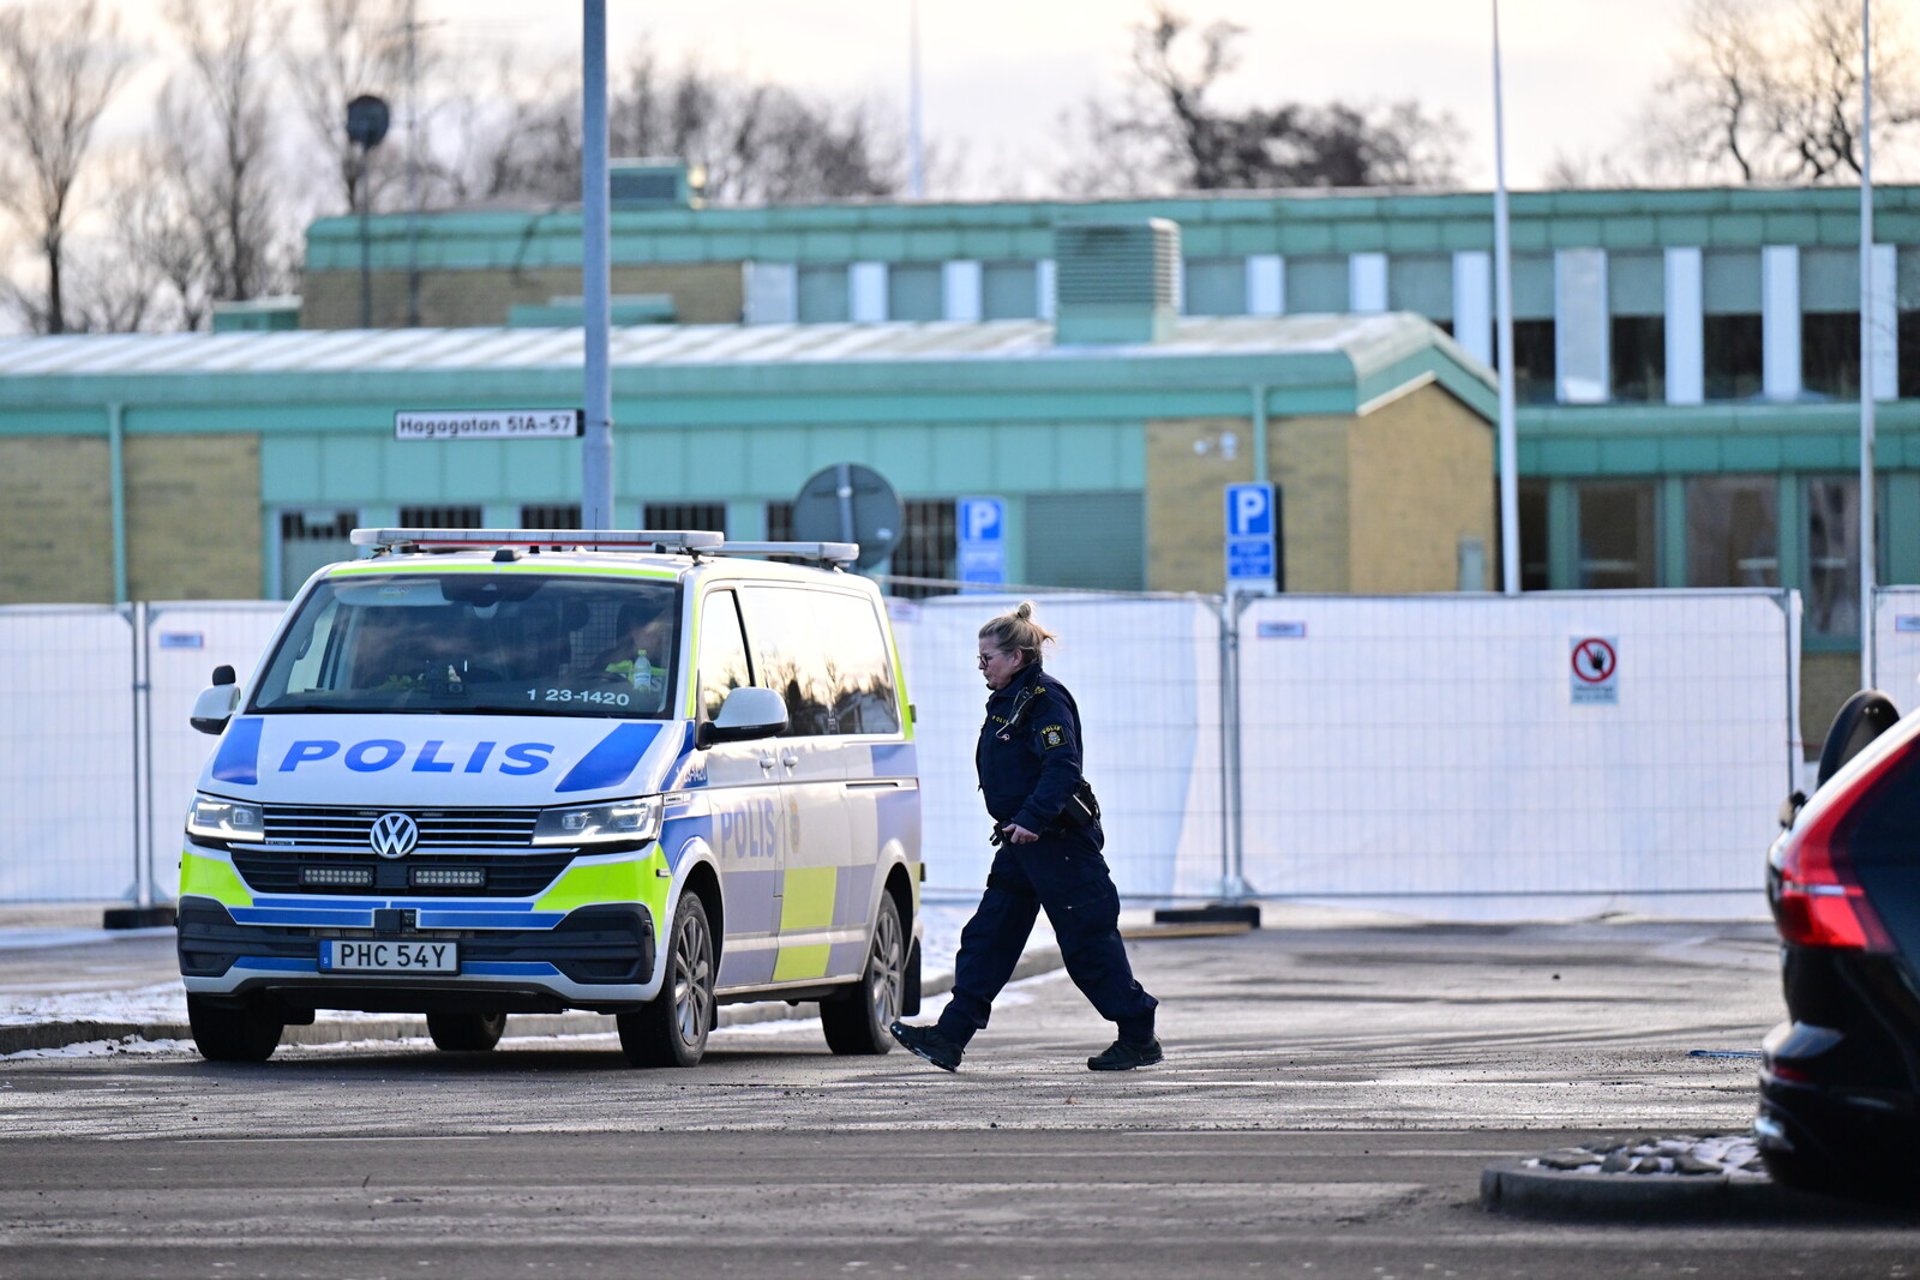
x=367 y=118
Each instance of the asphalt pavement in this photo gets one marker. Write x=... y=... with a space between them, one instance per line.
x=1330 y=1099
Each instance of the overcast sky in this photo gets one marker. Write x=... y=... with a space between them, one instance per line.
x=998 y=73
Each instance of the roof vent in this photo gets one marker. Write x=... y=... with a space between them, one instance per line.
x=655 y=184
x=1115 y=280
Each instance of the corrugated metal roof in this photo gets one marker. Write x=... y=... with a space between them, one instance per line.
x=1370 y=341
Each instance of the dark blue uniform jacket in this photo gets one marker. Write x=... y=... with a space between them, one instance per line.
x=1028 y=757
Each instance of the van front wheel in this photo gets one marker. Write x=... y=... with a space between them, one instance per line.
x=672 y=1030
x=223 y=1033
x=466 y=1032
x=856 y=1020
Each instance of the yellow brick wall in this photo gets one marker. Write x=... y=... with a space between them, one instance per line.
x=193 y=517
x=1312 y=471
x=56 y=520
x=1189 y=462
x=1826 y=681
x=703 y=293
x=1422 y=479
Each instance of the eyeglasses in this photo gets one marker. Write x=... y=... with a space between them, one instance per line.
x=985 y=658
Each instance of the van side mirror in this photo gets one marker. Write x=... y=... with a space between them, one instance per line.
x=747 y=714
x=223 y=674
x=215 y=705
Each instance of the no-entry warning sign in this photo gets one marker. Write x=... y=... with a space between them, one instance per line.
x=1596 y=670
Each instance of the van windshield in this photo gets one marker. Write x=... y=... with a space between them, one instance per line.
x=477 y=643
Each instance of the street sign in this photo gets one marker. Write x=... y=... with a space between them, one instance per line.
x=1252 y=565
x=981 y=526
x=489 y=424
x=1595 y=676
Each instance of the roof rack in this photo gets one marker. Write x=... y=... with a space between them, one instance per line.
x=637 y=539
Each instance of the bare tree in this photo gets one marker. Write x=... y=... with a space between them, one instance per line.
x=757 y=142
x=217 y=122
x=60 y=65
x=1168 y=133
x=1769 y=92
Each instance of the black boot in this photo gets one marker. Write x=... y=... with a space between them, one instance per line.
x=1125 y=1055
x=932 y=1044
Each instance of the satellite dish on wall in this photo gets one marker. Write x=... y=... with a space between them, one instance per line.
x=849 y=503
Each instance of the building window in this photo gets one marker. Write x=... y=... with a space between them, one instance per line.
x=1639 y=358
x=1733 y=531
x=1909 y=355
x=311 y=539
x=1534 y=367
x=823 y=295
x=1616 y=535
x=443 y=516
x=780 y=521
x=1830 y=354
x=1833 y=556
x=1009 y=291
x=928 y=547
x=1535 y=571
x=709 y=516
x=1216 y=286
x=1906 y=305
x=1730 y=329
x=915 y=292
x=1637 y=328
x=1731 y=356
x=550 y=515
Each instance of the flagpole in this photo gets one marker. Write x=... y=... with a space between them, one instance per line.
x=1869 y=546
x=1503 y=291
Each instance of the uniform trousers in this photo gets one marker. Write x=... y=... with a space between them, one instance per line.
x=1065 y=876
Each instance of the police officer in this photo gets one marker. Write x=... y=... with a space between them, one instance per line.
x=1047 y=827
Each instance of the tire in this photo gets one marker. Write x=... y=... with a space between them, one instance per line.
x=671 y=1030
x=856 y=1022
x=1860 y=719
x=466 y=1032
x=225 y=1034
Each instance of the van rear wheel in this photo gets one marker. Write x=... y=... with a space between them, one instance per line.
x=671 y=1031
x=856 y=1020
x=224 y=1033
x=466 y=1032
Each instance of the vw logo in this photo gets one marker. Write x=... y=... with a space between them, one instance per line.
x=394 y=835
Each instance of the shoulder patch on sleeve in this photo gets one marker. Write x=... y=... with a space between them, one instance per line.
x=1053 y=735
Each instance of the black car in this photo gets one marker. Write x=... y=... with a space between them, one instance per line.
x=1840 y=1080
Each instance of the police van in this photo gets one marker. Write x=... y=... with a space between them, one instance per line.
x=486 y=772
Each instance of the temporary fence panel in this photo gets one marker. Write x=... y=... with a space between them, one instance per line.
x=1480 y=757
x=1145 y=674
x=67 y=782
x=185 y=641
x=1896 y=647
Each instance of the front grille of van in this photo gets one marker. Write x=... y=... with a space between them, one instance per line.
x=441 y=830
x=491 y=846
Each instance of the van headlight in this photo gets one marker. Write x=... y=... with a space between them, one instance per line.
x=626 y=820
x=214 y=818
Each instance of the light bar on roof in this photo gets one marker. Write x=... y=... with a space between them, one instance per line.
x=644 y=539
x=829 y=552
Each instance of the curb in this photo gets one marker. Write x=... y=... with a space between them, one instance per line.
x=59 y=1035
x=1508 y=1187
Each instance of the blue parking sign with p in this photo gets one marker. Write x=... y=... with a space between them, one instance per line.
x=981 y=532
x=1250 y=537
x=1249 y=511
